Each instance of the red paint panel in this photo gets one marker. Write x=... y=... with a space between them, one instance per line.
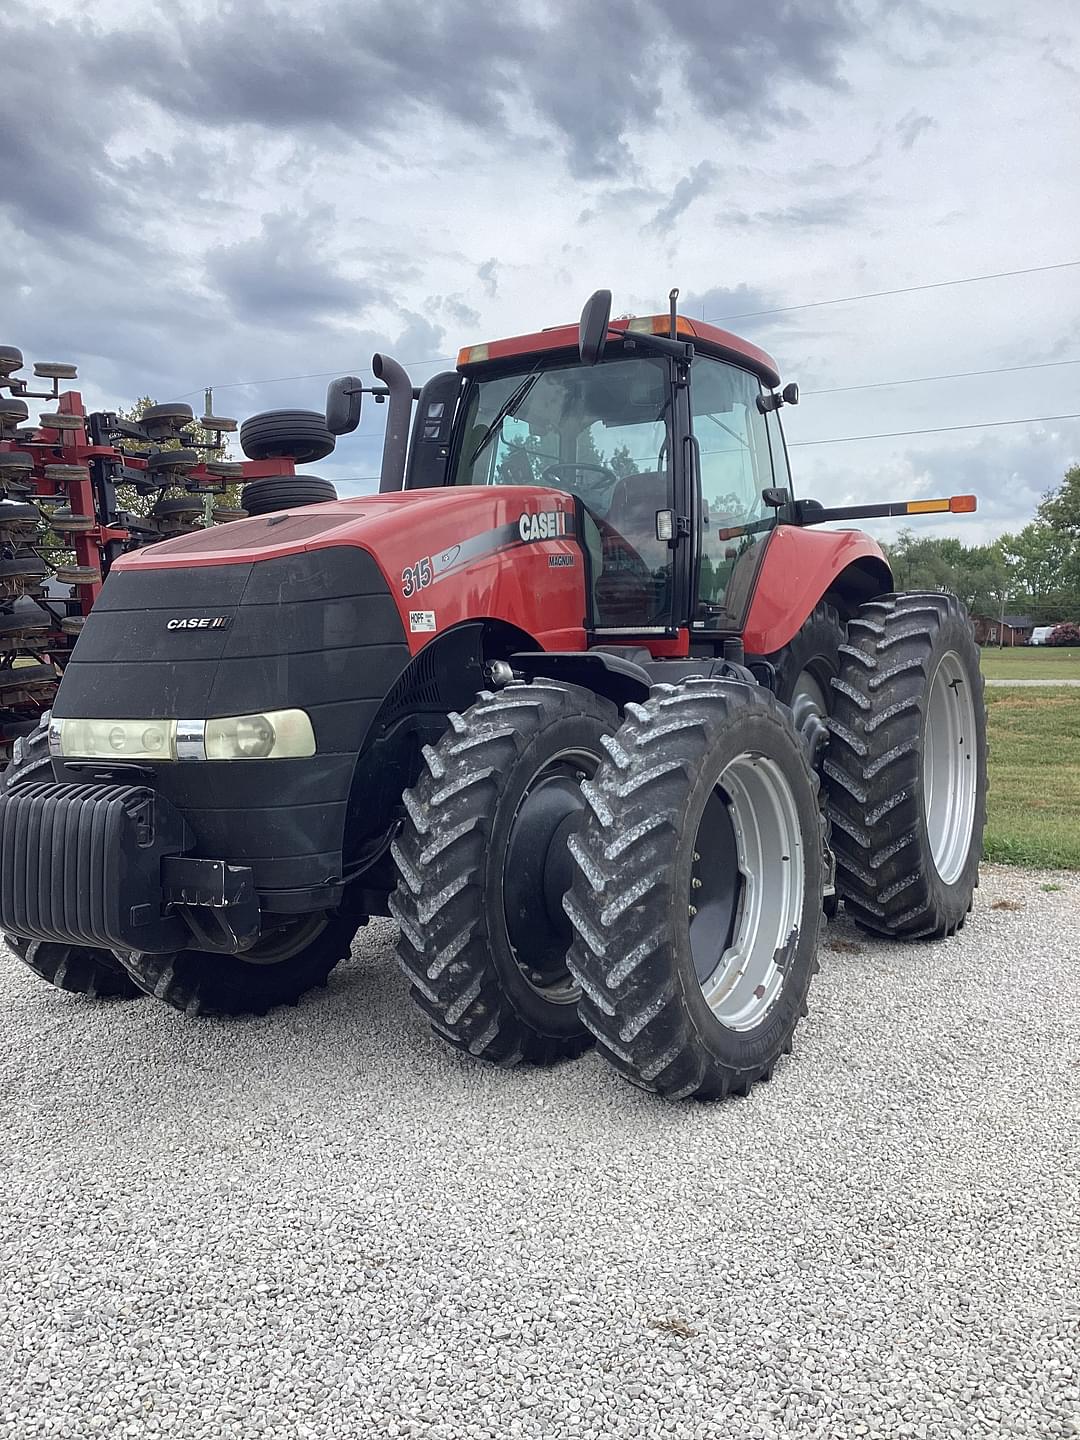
x=565 y=337
x=537 y=585
x=799 y=566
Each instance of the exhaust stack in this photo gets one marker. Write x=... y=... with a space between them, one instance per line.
x=399 y=414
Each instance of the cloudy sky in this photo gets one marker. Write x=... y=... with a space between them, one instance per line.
x=227 y=194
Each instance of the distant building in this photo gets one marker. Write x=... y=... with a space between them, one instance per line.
x=1003 y=630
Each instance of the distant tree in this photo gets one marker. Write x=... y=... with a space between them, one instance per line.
x=1060 y=508
x=1040 y=560
x=622 y=462
x=129 y=498
x=1067 y=634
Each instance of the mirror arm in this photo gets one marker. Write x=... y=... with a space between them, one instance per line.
x=657 y=344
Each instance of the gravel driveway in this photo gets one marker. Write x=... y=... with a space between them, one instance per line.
x=325 y=1224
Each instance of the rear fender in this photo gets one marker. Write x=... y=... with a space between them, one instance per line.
x=802 y=567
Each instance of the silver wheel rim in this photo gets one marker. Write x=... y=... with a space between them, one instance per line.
x=949 y=767
x=766 y=902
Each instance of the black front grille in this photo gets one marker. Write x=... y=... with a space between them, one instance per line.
x=82 y=864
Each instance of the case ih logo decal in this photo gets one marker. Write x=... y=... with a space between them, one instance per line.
x=200 y=622
x=548 y=525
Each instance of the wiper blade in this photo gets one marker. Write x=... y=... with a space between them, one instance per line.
x=506 y=409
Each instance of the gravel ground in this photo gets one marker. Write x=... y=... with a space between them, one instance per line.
x=1033 y=684
x=323 y=1224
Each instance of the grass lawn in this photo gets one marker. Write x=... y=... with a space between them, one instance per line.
x=1034 y=801
x=1031 y=662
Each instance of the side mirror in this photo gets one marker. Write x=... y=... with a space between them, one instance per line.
x=593 y=326
x=776 y=497
x=343 y=399
x=790 y=393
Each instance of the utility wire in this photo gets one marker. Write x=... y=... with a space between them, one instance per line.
x=718 y=320
x=315 y=375
x=936 y=430
x=903 y=290
x=926 y=379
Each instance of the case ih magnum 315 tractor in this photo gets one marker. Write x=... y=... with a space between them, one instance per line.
x=580 y=698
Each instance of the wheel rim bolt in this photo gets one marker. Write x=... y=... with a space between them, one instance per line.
x=692 y=909
x=696 y=883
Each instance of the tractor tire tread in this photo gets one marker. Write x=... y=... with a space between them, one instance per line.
x=622 y=917
x=201 y=984
x=873 y=794
x=440 y=854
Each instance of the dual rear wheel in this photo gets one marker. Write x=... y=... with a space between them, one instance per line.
x=700 y=848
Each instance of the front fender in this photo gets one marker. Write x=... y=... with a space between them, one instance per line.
x=799 y=568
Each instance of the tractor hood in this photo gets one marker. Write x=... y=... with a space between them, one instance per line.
x=374 y=521
x=446 y=556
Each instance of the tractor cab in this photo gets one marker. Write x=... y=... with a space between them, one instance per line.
x=664 y=458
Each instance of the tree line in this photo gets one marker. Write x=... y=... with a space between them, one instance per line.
x=1034 y=572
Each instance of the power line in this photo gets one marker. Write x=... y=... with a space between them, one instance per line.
x=315 y=375
x=716 y=320
x=936 y=430
x=954 y=375
x=903 y=290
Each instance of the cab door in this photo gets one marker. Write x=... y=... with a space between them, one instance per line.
x=735 y=466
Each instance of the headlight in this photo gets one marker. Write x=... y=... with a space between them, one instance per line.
x=115 y=739
x=271 y=735
x=276 y=734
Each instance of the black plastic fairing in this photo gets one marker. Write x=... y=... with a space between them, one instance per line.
x=316 y=631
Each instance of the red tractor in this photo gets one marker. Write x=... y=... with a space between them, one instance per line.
x=580 y=698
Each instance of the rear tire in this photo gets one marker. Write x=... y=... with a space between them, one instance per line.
x=805 y=669
x=697 y=899
x=75 y=968
x=484 y=868
x=907 y=833
x=201 y=983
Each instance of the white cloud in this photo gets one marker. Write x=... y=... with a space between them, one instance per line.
x=281 y=195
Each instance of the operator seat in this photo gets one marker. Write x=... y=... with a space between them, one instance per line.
x=632 y=587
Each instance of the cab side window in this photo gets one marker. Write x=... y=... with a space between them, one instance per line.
x=736 y=466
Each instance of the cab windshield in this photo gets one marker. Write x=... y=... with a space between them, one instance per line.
x=601 y=433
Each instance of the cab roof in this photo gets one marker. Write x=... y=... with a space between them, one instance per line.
x=708 y=339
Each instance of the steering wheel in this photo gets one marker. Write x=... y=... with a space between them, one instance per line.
x=556 y=471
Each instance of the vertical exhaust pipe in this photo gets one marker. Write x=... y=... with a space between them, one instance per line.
x=398 y=417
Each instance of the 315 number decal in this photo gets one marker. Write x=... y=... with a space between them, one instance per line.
x=416 y=577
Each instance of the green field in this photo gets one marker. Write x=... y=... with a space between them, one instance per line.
x=1031 y=662
x=1034 y=801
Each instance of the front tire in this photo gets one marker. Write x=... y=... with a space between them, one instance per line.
x=280 y=968
x=484 y=866
x=696 y=904
x=906 y=769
